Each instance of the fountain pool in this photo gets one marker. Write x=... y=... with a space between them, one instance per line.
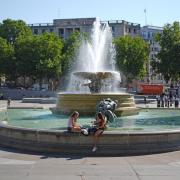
x=151 y=131
x=146 y=121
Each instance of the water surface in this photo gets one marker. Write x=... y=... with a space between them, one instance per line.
x=145 y=121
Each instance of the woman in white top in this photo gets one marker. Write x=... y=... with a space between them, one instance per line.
x=72 y=123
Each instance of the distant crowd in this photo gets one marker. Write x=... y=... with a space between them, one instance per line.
x=170 y=98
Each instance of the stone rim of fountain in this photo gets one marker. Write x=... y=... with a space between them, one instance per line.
x=111 y=143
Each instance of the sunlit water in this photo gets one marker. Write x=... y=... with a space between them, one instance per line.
x=97 y=54
x=145 y=121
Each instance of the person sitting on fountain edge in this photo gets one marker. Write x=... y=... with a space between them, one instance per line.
x=72 y=126
x=100 y=125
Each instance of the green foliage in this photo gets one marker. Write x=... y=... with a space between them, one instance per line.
x=26 y=55
x=6 y=57
x=49 y=52
x=23 y=54
x=11 y=29
x=70 y=48
x=169 y=55
x=132 y=55
x=38 y=56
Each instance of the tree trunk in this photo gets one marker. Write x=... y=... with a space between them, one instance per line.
x=40 y=83
x=24 y=83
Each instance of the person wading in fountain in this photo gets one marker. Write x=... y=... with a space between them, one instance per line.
x=100 y=125
x=72 y=123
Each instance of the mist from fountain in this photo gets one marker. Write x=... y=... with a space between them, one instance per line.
x=95 y=55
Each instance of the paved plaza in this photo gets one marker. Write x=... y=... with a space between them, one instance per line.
x=19 y=104
x=23 y=166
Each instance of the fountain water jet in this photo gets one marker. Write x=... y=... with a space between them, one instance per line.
x=94 y=77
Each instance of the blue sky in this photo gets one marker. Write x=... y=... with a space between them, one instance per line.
x=158 y=12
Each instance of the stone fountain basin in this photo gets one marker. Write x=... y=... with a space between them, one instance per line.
x=85 y=103
x=110 y=144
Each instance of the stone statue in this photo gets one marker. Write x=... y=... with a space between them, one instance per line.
x=107 y=108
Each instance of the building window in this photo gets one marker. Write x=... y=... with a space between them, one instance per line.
x=43 y=30
x=69 y=30
x=35 y=31
x=134 y=31
x=113 y=29
x=77 y=29
x=129 y=30
x=61 y=32
x=126 y=29
x=51 y=30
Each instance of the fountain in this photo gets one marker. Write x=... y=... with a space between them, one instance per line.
x=94 y=78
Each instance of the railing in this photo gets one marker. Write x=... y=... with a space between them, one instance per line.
x=41 y=24
x=109 y=22
x=120 y=22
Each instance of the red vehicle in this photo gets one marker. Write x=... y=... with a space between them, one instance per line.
x=151 y=89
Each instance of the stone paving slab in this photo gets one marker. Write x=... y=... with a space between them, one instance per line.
x=13 y=177
x=160 y=177
x=19 y=104
x=110 y=178
x=15 y=170
x=47 y=177
x=158 y=170
x=23 y=166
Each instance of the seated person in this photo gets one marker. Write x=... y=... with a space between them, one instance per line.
x=100 y=125
x=72 y=123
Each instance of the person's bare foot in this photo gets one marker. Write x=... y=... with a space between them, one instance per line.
x=94 y=149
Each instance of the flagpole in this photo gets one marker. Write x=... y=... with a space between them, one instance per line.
x=145 y=16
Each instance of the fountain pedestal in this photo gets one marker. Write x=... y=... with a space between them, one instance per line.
x=85 y=104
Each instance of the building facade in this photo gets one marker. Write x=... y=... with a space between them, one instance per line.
x=122 y=28
x=64 y=27
x=148 y=34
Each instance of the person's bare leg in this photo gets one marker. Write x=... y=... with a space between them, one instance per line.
x=76 y=129
x=95 y=140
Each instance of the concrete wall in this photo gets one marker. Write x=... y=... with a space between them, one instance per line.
x=18 y=94
x=111 y=142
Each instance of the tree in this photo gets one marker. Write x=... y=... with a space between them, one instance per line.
x=11 y=29
x=168 y=62
x=131 y=56
x=6 y=57
x=70 y=48
x=26 y=53
x=39 y=57
x=50 y=55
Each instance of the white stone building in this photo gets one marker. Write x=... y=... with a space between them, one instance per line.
x=64 y=27
x=148 y=34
